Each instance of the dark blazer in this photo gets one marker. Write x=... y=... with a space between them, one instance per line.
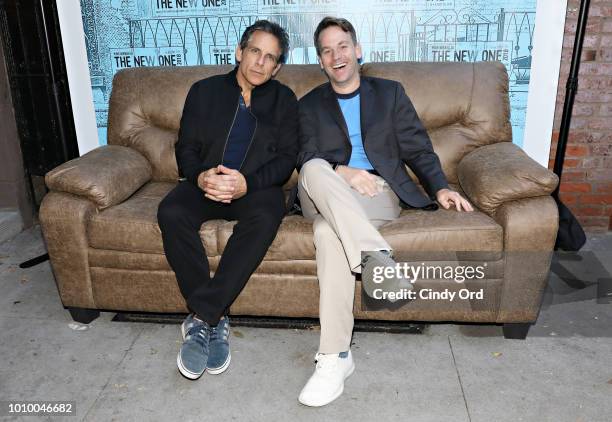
x=391 y=131
x=208 y=116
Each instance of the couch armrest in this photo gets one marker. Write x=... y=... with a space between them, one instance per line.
x=107 y=175
x=494 y=174
x=530 y=229
x=63 y=219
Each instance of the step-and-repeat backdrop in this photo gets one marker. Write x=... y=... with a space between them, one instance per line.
x=118 y=34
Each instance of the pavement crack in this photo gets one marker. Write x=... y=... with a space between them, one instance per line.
x=112 y=373
x=467 y=409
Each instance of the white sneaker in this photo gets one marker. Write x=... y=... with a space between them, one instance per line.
x=327 y=382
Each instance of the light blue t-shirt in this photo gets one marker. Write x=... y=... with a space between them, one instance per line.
x=349 y=104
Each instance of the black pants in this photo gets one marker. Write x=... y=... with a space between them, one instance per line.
x=180 y=215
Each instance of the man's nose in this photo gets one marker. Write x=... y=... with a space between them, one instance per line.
x=335 y=54
x=261 y=60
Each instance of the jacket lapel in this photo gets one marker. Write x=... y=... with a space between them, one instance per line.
x=366 y=107
x=331 y=104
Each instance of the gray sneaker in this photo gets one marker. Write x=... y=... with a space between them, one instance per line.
x=193 y=356
x=219 y=357
x=381 y=259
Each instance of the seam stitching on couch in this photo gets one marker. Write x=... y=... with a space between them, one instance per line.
x=450 y=230
x=469 y=107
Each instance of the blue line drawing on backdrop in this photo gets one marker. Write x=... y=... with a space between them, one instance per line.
x=131 y=33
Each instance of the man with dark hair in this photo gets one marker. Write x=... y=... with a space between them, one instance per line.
x=237 y=146
x=271 y=28
x=356 y=134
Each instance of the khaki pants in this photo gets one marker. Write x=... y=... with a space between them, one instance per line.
x=345 y=224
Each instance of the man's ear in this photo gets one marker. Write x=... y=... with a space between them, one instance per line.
x=320 y=63
x=358 y=52
x=238 y=54
x=276 y=69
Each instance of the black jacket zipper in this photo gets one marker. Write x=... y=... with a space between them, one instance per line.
x=229 y=130
x=251 y=141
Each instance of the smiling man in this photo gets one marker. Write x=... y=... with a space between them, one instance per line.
x=237 y=146
x=356 y=134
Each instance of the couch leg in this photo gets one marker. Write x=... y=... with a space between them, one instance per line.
x=517 y=331
x=83 y=315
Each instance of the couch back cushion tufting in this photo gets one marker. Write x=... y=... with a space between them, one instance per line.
x=462 y=105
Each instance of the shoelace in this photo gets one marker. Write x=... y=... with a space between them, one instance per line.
x=326 y=362
x=214 y=333
x=199 y=334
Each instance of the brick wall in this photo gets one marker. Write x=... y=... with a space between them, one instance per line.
x=586 y=186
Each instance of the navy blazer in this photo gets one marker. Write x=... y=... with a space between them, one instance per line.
x=392 y=135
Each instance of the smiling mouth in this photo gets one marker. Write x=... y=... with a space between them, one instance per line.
x=338 y=66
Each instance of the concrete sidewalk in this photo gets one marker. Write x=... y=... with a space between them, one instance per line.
x=127 y=371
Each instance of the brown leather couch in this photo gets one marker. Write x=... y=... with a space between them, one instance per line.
x=99 y=218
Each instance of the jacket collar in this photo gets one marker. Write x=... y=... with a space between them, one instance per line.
x=232 y=80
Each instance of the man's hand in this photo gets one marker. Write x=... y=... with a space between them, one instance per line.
x=222 y=184
x=447 y=198
x=216 y=186
x=360 y=180
x=240 y=184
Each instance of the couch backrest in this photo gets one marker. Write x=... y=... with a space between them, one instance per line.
x=463 y=105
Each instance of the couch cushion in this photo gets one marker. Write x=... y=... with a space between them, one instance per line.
x=462 y=105
x=415 y=231
x=432 y=235
x=132 y=225
x=293 y=240
x=145 y=109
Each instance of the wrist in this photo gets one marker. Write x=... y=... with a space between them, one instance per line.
x=441 y=191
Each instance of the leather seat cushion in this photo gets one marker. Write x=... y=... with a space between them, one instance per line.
x=433 y=235
x=293 y=240
x=132 y=225
x=444 y=234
